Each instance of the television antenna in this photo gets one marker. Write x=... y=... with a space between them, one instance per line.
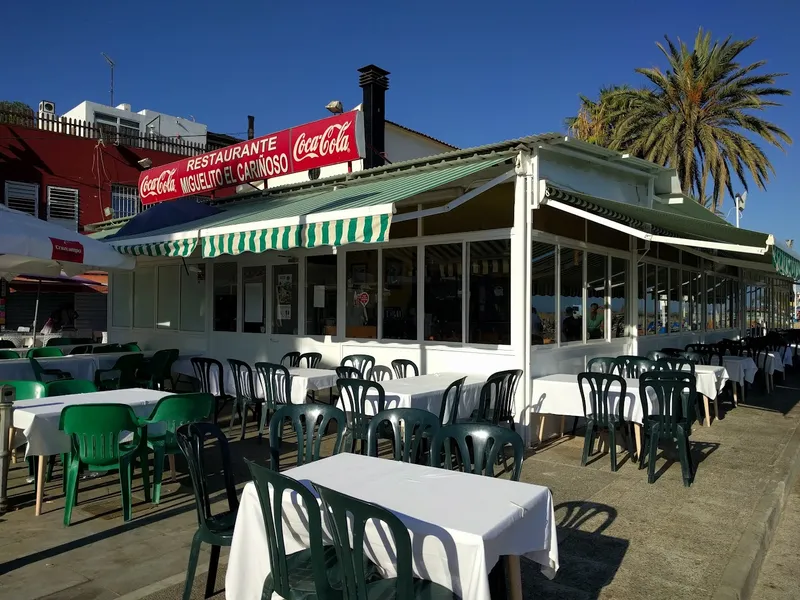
x=111 y=64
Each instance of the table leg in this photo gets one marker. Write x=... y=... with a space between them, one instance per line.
x=563 y=422
x=708 y=415
x=514 y=578
x=744 y=387
x=735 y=393
x=40 y=485
x=541 y=428
x=173 y=478
x=637 y=435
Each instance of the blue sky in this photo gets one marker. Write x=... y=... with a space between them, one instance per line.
x=467 y=72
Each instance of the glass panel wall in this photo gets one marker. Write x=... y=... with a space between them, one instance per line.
x=596 y=293
x=169 y=308
x=285 y=299
x=443 y=292
x=144 y=291
x=572 y=309
x=193 y=298
x=254 y=296
x=400 y=293
x=362 y=294
x=544 y=301
x=489 y=292
x=619 y=294
x=225 y=287
x=321 y=295
x=121 y=294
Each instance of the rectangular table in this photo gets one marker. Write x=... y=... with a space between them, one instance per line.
x=460 y=524
x=38 y=420
x=426 y=391
x=80 y=366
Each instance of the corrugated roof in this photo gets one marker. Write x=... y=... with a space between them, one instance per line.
x=420 y=134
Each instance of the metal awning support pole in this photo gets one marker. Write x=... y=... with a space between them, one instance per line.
x=7 y=394
x=36 y=312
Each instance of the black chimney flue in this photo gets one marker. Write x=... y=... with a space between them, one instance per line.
x=251 y=127
x=374 y=81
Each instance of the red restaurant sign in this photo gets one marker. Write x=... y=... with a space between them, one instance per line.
x=66 y=250
x=330 y=141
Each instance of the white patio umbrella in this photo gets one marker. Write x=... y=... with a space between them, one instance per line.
x=34 y=247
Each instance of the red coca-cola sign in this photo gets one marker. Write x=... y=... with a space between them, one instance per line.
x=330 y=141
x=66 y=250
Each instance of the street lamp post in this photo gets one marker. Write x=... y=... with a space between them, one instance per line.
x=739 y=200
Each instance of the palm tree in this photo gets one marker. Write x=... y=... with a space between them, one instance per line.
x=699 y=116
x=596 y=121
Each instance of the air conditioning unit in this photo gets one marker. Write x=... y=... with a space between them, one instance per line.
x=45 y=106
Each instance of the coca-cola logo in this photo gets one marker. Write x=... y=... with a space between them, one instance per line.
x=333 y=140
x=155 y=186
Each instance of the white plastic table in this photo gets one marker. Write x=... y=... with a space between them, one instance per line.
x=460 y=524
x=426 y=391
x=38 y=420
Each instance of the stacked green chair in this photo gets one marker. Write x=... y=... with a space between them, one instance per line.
x=66 y=387
x=94 y=430
x=43 y=375
x=107 y=349
x=131 y=347
x=596 y=390
x=407 y=428
x=480 y=446
x=157 y=370
x=7 y=344
x=122 y=375
x=46 y=352
x=310 y=423
x=174 y=411
x=353 y=394
x=8 y=355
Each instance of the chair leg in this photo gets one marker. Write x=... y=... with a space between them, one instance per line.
x=234 y=410
x=71 y=475
x=125 y=477
x=262 y=423
x=684 y=452
x=588 y=442
x=158 y=474
x=213 y=564
x=244 y=420
x=651 y=459
x=194 y=554
x=612 y=443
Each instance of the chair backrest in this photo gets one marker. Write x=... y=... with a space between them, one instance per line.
x=597 y=402
x=161 y=364
x=675 y=352
x=380 y=373
x=59 y=341
x=497 y=395
x=348 y=517
x=180 y=409
x=209 y=373
x=8 y=355
x=64 y=387
x=291 y=359
x=310 y=423
x=674 y=364
x=451 y=401
x=488 y=442
x=191 y=440
x=405 y=368
x=271 y=487
x=95 y=430
x=655 y=355
x=362 y=362
x=675 y=392
x=348 y=373
x=353 y=394
x=127 y=366
x=84 y=349
x=277 y=384
x=46 y=352
x=242 y=379
x=106 y=349
x=26 y=390
x=131 y=347
x=631 y=367
x=698 y=358
x=602 y=364
x=311 y=360
x=7 y=344
x=409 y=427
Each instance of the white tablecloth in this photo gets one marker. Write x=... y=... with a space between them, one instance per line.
x=38 y=419
x=303 y=380
x=559 y=395
x=80 y=366
x=710 y=379
x=426 y=392
x=740 y=369
x=460 y=524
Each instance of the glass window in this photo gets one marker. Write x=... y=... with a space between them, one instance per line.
x=698 y=312
x=284 y=304
x=686 y=295
x=321 y=295
x=443 y=292
x=144 y=284
x=709 y=301
x=490 y=292
x=662 y=285
x=641 y=298
x=361 y=269
x=674 y=301
x=121 y=294
x=400 y=293
x=254 y=296
x=169 y=297
x=651 y=297
x=225 y=284
x=544 y=308
x=193 y=298
x=596 y=292
x=571 y=299
x=619 y=287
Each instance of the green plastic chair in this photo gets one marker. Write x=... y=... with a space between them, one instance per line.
x=106 y=349
x=40 y=373
x=671 y=363
x=603 y=364
x=60 y=341
x=596 y=390
x=277 y=385
x=310 y=423
x=83 y=349
x=487 y=446
x=122 y=375
x=174 y=411
x=246 y=397
x=65 y=387
x=30 y=390
x=8 y=355
x=309 y=573
x=362 y=362
x=351 y=514
x=95 y=431
x=675 y=391
x=451 y=401
x=631 y=367
x=131 y=347
x=158 y=369
x=210 y=373
x=496 y=403
x=7 y=344
x=405 y=368
x=46 y=352
x=407 y=428
x=213 y=529
x=353 y=396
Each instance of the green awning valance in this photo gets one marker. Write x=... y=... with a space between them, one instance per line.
x=785 y=263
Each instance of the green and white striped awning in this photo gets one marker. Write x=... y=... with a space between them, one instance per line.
x=182 y=248
x=357 y=230
x=786 y=263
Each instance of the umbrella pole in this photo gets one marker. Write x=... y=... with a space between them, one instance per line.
x=36 y=312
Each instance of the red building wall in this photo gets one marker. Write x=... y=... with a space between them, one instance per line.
x=35 y=156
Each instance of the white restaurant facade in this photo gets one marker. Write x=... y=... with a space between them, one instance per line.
x=466 y=261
